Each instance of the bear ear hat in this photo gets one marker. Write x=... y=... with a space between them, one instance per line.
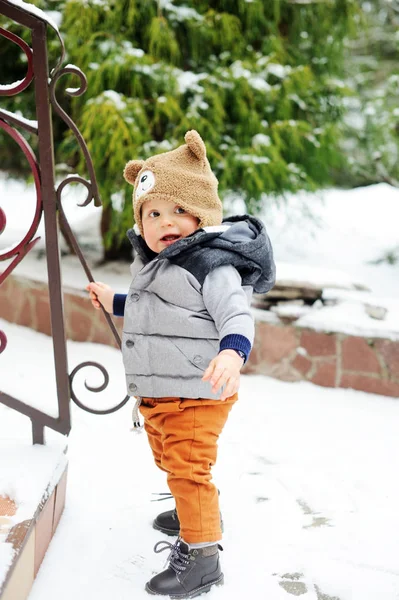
x=195 y=143
x=132 y=169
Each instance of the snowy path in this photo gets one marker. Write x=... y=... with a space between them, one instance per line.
x=309 y=494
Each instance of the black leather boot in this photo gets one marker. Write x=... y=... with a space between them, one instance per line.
x=190 y=572
x=167 y=522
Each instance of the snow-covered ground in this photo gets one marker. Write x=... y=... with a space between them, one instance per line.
x=307 y=475
x=350 y=230
x=308 y=490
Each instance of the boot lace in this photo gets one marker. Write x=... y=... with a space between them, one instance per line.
x=163 y=496
x=178 y=560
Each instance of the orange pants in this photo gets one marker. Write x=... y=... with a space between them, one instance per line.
x=183 y=435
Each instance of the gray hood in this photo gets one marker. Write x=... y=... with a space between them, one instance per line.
x=241 y=241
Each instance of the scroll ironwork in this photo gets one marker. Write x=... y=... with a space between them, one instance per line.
x=48 y=204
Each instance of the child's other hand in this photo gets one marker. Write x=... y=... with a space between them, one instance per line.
x=101 y=293
x=224 y=369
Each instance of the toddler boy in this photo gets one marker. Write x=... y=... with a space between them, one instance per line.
x=187 y=331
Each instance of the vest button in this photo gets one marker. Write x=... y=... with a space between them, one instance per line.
x=135 y=297
x=197 y=359
x=129 y=343
x=132 y=387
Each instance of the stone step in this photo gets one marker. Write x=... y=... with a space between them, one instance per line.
x=23 y=543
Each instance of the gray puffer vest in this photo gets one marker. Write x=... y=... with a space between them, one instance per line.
x=185 y=300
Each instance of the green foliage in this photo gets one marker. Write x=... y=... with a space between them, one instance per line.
x=370 y=131
x=162 y=42
x=13 y=66
x=259 y=80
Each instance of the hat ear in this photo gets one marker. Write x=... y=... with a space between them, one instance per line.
x=195 y=143
x=132 y=169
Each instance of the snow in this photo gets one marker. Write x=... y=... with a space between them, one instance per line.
x=239 y=71
x=26 y=471
x=291 y=310
x=118 y=201
x=350 y=317
x=311 y=138
x=156 y=147
x=180 y=13
x=29 y=380
x=130 y=51
x=258 y=83
x=103 y=3
x=115 y=98
x=278 y=70
x=146 y=69
x=295 y=98
x=187 y=80
x=307 y=491
x=291 y=274
x=34 y=10
x=348 y=230
x=260 y=139
x=72 y=91
x=55 y=16
x=20 y=116
x=107 y=45
x=18 y=200
x=257 y=160
x=11 y=86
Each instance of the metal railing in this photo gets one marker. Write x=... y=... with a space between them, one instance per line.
x=48 y=203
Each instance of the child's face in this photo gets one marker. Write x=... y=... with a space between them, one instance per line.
x=164 y=223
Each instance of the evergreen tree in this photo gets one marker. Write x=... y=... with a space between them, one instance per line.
x=13 y=64
x=371 y=121
x=260 y=81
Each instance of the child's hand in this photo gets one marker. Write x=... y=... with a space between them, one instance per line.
x=100 y=292
x=224 y=369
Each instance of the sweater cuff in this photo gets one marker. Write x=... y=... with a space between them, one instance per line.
x=234 y=341
x=118 y=307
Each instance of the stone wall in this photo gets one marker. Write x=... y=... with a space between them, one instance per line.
x=329 y=359
x=282 y=351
